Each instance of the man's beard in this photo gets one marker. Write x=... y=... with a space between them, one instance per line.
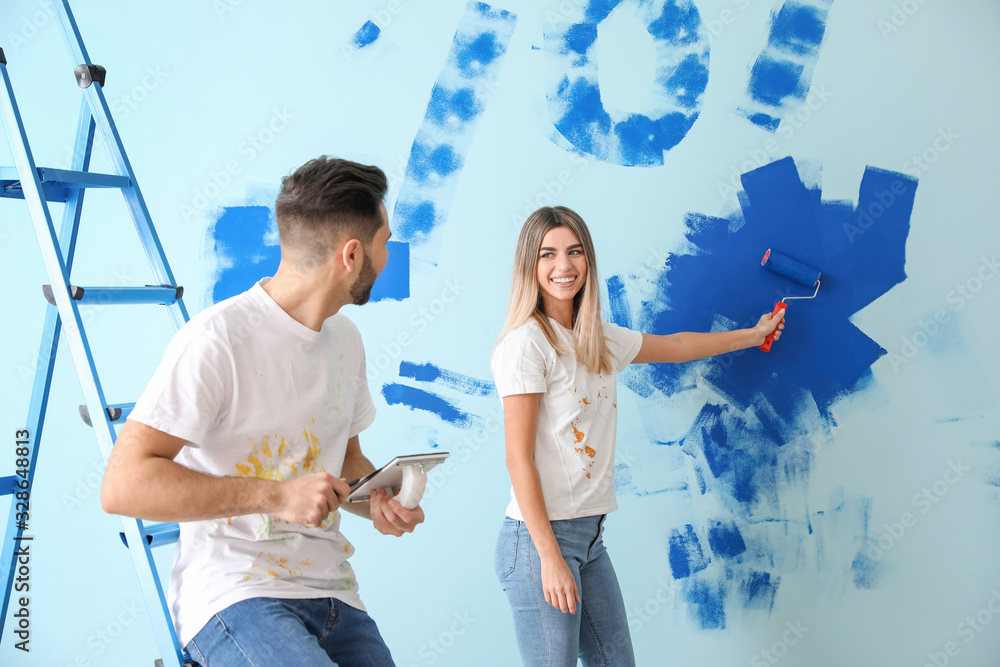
x=361 y=290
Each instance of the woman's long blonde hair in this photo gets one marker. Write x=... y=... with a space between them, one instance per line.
x=526 y=295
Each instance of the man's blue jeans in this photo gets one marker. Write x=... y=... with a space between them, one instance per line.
x=267 y=632
x=598 y=632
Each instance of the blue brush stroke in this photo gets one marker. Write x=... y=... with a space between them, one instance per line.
x=707 y=605
x=578 y=114
x=456 y=104
x=686 y=554
x=782 y=75
x=726 y=540
x=238 y=241
x=366 y=34
x=618 y=303
x=430 y=373
x=418 y=399
x=238 y=236
x=757 y=590
x=772 y=399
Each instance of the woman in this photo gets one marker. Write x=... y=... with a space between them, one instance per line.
x=555 y=368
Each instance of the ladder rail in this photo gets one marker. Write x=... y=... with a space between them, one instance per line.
x=68 y=315
x=113 y=143
x=48 y=349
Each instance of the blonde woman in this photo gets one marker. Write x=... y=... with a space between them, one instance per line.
x=555 y=366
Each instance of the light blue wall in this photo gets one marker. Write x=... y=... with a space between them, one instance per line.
x=818 y=474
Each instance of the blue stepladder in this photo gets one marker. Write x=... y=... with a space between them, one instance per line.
x=38 y=187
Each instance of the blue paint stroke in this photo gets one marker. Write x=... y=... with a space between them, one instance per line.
x=686 y=554
x=366 y=34
x=243 y=255
x=757 y=590
x=457 y=101
x=430 y=373
x=618 y=304
x=706 y=603
x=782 y=75
x=418 y=399
x=580 y=120
x=244 y=241
x=753 y=437
x=726 y=540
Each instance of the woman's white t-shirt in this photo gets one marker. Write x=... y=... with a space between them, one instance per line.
x=577 y=415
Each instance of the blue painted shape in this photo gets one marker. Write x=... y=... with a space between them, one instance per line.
x=707 y=605
x=782 y=75
x=239 y=246
x=618 y=303
x=770 y=399
x=866 y=571
x=239 y=241
x=394 y=281
x=758 y=589
x=418 y=399
x=445 y=136
x=430 y=373
x=579 y=117
x=726 y=540
x=367 y=34
x=686 y=554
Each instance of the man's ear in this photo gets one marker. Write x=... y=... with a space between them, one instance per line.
x=352 y=253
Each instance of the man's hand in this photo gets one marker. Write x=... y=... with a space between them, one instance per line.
x=766 y=324
x=391 y=518
x=309 y=499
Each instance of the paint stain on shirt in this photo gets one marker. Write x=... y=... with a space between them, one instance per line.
x=578 y=433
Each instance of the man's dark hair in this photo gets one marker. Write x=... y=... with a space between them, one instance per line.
x=327 y=200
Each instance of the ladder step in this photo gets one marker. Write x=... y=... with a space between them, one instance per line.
x=158 y=534
x=59 y=184
x=116 y=413
x=165 y=295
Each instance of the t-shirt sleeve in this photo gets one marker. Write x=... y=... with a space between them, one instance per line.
x=191 y=390
x=624 y=343
x=364 y=407
x=519 y=363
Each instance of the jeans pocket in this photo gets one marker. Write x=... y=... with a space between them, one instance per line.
x=505 y=559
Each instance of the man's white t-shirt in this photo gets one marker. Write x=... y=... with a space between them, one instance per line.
x=577 y=415
x=255 y=393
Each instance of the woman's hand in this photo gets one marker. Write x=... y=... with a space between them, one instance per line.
x=559 y=584
x=766 y=325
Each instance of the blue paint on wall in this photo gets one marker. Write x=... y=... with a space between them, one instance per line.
x=782 y=75
x=456 y=104
x=758 y=437
x=579 y=117
x=726 y=540
x=686 y=554
x=757 y=590
x=418 y=399
x=430 y=373
x=238 y=243
x=706 y=603
x=244 y=241
x=366 y=34
x=618 y=304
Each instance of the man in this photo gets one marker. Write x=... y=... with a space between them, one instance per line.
x=248 y=432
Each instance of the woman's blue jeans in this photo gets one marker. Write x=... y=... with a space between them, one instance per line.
x=267 y=632
x=598 y=632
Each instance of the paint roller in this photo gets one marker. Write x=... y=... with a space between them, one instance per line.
x=792 y=269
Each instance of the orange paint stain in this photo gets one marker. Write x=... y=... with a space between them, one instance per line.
x=586 y=402
x=578 y=433
x=591 y=452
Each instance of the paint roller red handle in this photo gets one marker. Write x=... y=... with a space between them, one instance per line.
x=778 y=307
